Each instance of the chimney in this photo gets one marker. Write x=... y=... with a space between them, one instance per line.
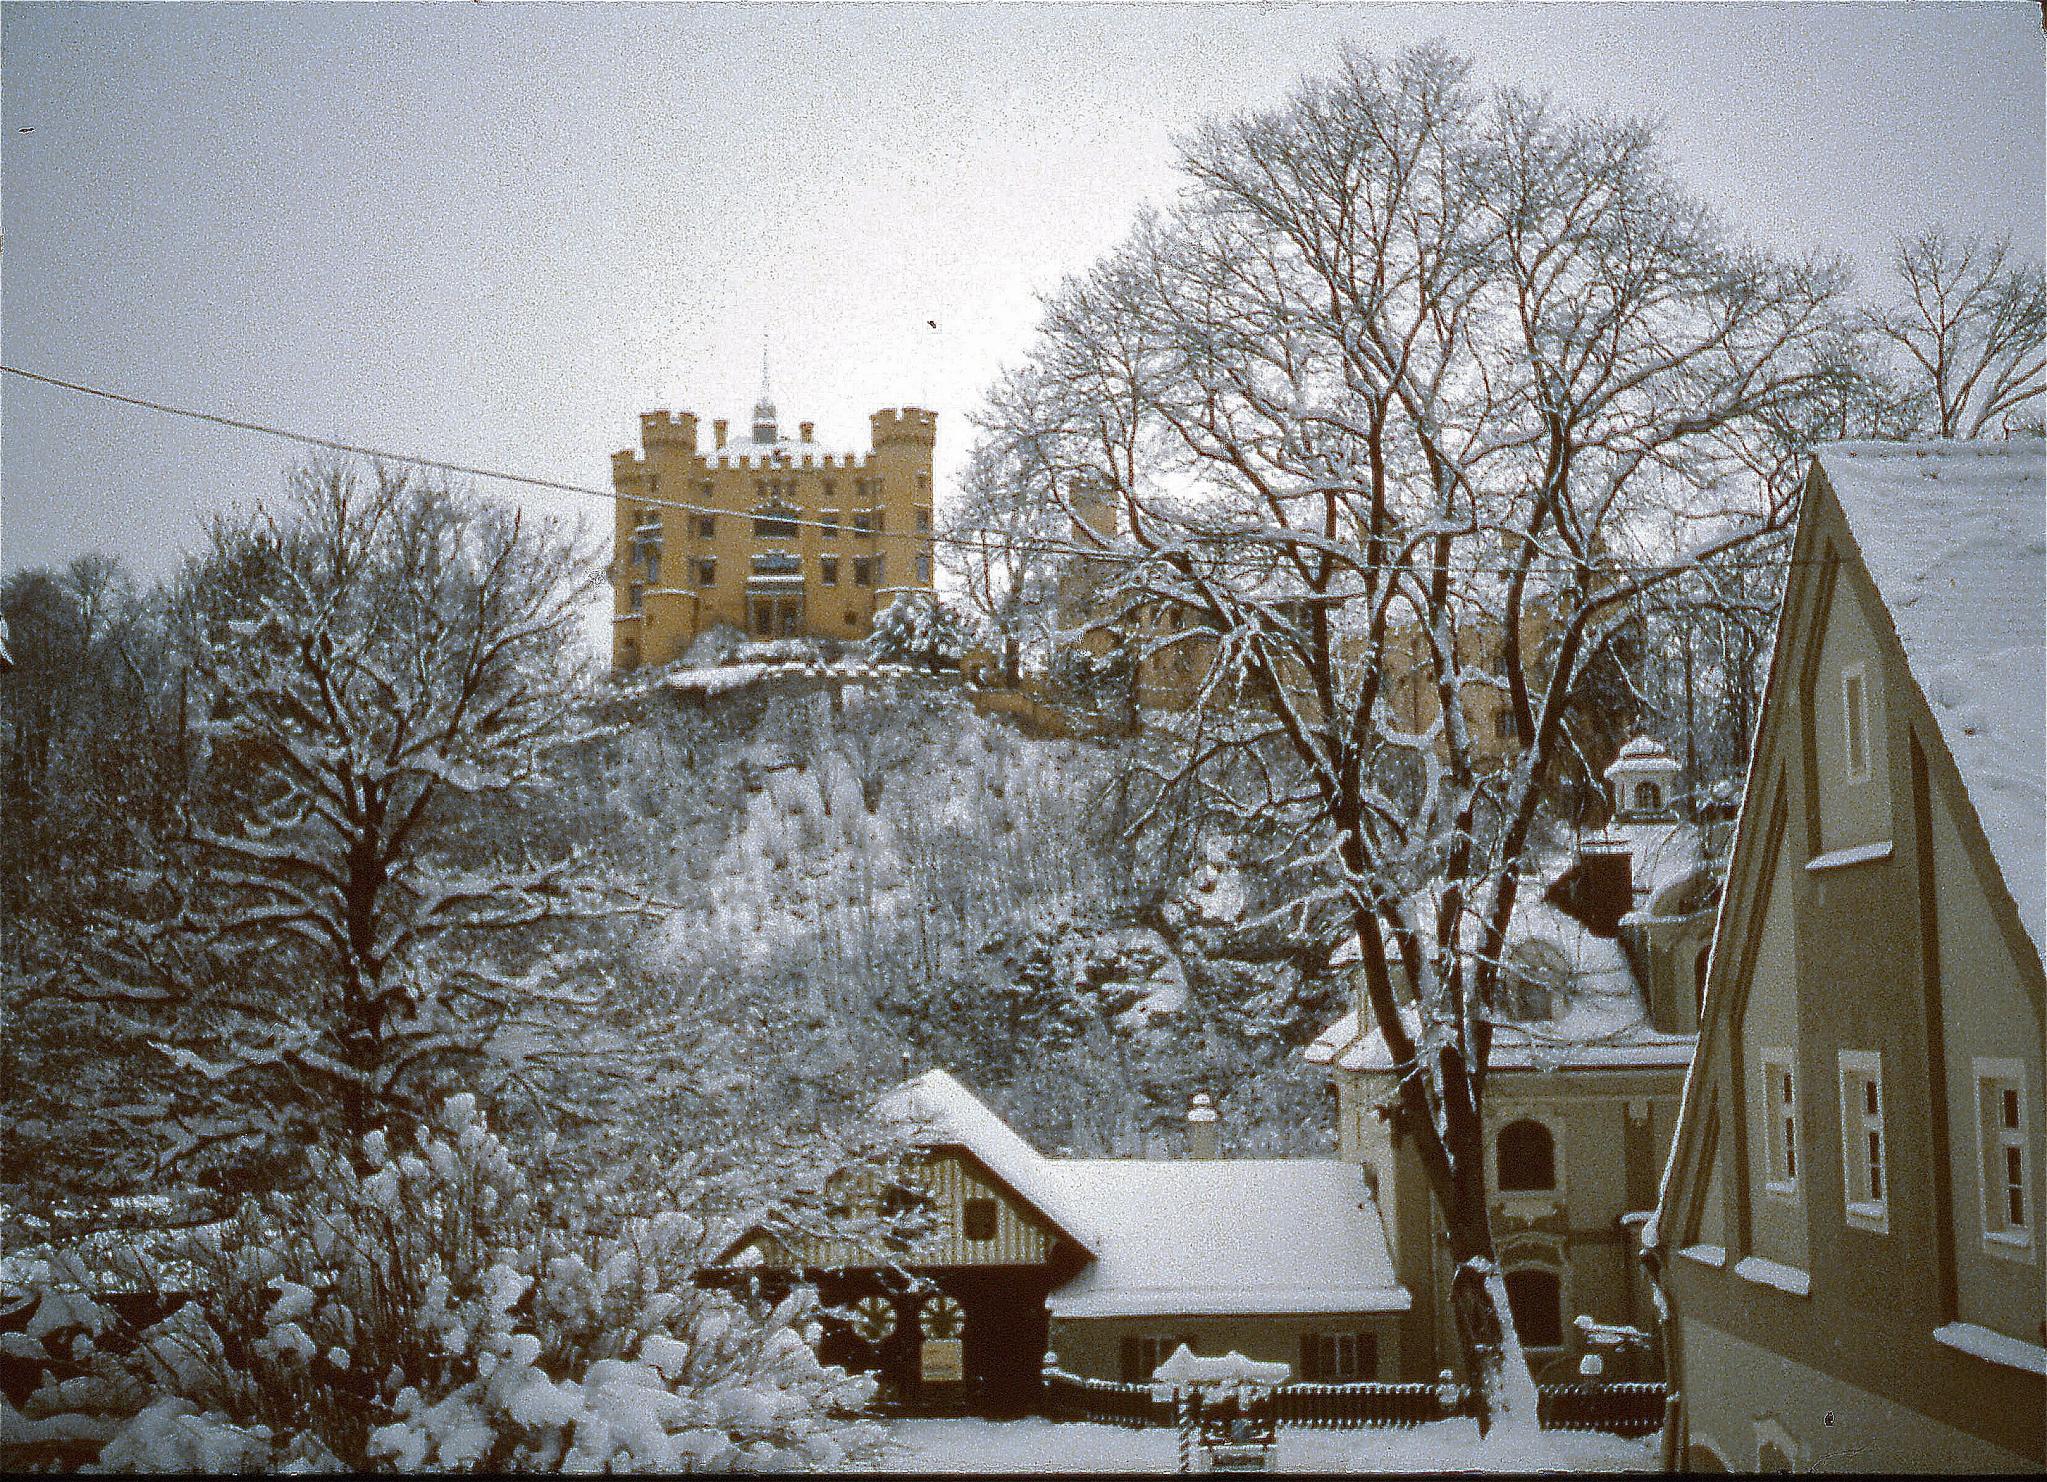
x=1203 y=1132
x=805 y=429
x=718 y=432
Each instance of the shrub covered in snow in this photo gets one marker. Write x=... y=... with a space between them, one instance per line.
x=419 y=1307
x=919 y=629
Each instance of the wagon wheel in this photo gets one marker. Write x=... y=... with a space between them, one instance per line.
x=942 y=1317
x=874 y=1318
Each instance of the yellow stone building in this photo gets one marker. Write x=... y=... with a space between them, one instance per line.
x=780 y=537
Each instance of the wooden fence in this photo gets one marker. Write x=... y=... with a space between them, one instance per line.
x=1621 y=1409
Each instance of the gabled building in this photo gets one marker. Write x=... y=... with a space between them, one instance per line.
x=1589 y=1052
x=1849 y=1233
x=1107 y=1264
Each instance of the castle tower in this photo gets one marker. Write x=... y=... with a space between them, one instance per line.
x=774 y=537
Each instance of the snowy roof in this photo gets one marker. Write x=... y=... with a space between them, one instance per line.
x=1955 y=537
x=1601 y=1019
x=1228 y=1236
x=1642 y=754
x=941 y=1112
x=742 y=452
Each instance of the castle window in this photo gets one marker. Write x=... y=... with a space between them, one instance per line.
x=654 y=568
x=1780 y=1125
x=776 y=523
x=923 y=571
x=1526 y=1157
x=1536 y=1299
x=831 y=489
x=1503 y=724
x=977 y=1219
x=707 y=571
x=633 y=597
x=777 y=563
x=829 y=519
x=923 y=521
x=707 y=527
x=924 y=483
x=863 y=523
x=881 y=571
x=1862 y=1140
x=863 y=572
x=828 y=571
x=2005 y=1156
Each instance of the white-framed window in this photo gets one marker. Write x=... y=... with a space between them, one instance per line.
x=1780 y=1124
x=1864 y=1173
x=1855 y=722
x=2004 y=1155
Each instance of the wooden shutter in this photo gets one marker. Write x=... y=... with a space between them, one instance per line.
x=1368 y=1355
x=1309 y=1355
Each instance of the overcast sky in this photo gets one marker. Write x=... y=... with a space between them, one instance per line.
x=495 y=233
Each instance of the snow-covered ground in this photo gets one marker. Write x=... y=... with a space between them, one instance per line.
x=1067 y=1446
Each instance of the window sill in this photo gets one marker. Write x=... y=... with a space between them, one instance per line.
x=2009 y=1244
x=1993 y=1347
x=1706 y=1255
x=1838 y=859
x=1788 y=1279
x=1870 y=1216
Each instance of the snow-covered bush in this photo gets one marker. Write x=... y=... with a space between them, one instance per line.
x=919 y=629
x=427 y=1307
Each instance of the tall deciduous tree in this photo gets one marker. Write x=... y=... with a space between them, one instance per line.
x=370 y=898
x=1404 y=408
x=1969 y=328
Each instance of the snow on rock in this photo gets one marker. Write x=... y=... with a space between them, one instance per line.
x=1955 y=537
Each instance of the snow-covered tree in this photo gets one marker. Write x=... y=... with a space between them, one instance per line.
x=1968 y=327
x=1007 y=539
x=1404 y=409
x=425 y=1302
x=916 y=628
x=372 y=894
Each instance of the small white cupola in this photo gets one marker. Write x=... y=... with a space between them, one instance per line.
x=1644 y=779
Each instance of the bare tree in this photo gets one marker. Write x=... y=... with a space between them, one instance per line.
x=1407 y=404
x=1971 y=329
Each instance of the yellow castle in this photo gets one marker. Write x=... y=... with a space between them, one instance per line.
x=778 y=537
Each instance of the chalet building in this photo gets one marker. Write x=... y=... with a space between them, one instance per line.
x=1108 y=1265
x=1587 y=1065
x=777 y=537
x=1849 y=1235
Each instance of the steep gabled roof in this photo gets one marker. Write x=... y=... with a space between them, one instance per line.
x=1955 y=537
x=1951 y=535
x=937 y=1111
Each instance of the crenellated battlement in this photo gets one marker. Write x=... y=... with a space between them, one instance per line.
x=904 y=425
x=665 y=429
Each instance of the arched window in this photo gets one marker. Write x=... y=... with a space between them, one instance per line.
x=1526 y=1155
x=1648 y=797
x=1536 y=1298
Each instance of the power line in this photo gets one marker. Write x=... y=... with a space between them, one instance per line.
x=979 y=542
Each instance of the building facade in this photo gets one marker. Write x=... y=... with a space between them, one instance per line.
x=1587 y=1064
x=1101 y=1266
x=776 y=537
x=1849 y=1235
